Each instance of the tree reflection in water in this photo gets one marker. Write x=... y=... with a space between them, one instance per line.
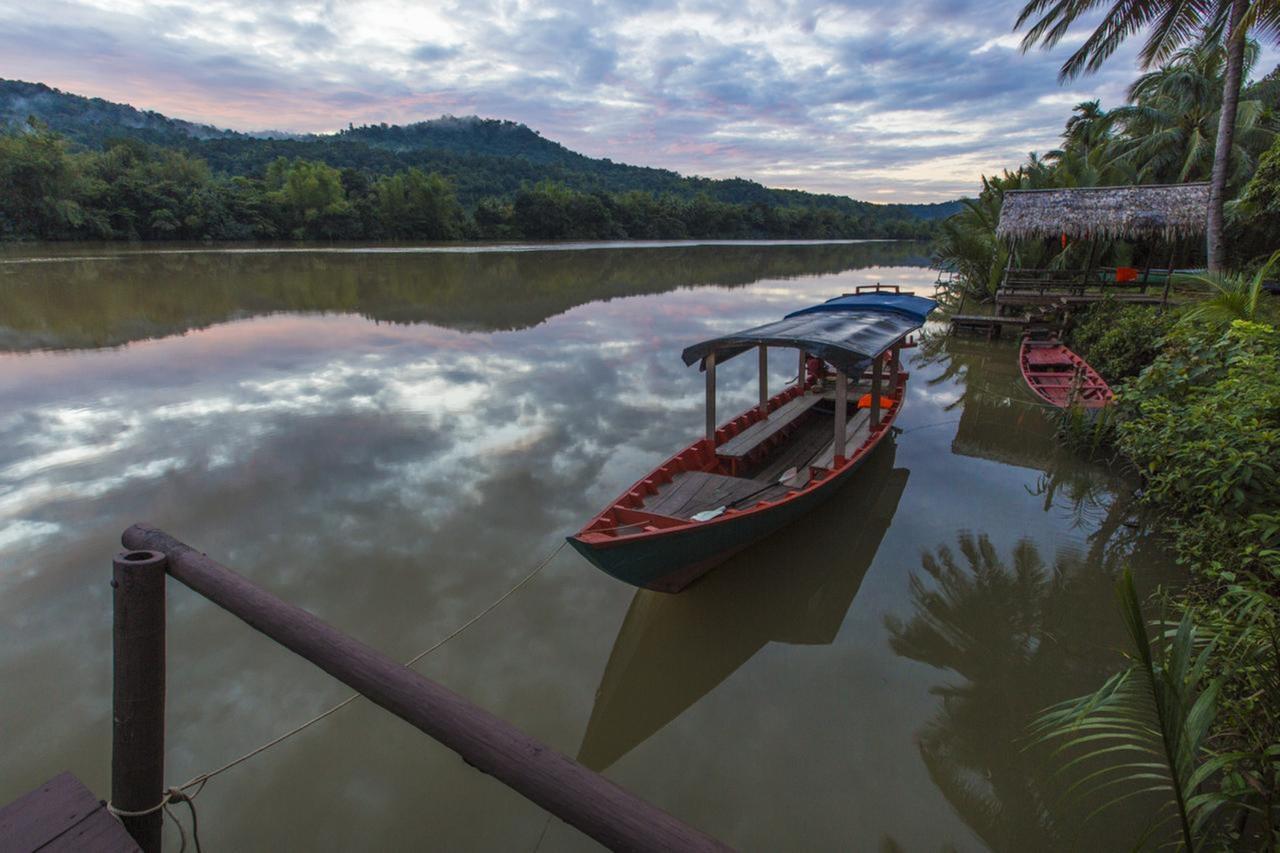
x=1021 y=635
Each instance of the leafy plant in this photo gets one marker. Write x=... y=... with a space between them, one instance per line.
x=1236 y=296
x=1148 y=727
x=1119 y=340
x=1202 y=424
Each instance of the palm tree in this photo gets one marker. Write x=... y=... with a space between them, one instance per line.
x=1172 y=24
x=1171 y=123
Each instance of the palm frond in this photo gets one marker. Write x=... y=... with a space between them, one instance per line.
x=1144 y=730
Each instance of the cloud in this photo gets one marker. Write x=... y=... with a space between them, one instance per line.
x=911 y=102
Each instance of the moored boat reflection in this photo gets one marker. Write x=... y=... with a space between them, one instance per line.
x=795 y=587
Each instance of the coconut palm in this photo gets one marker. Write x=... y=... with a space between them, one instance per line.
x=1171 y=24
x=1170 y=126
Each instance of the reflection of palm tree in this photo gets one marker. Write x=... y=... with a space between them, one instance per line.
x=1022 y=636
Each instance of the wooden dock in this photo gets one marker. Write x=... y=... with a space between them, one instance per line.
x=1015 y=299
x=61 y=815
x=988 y=325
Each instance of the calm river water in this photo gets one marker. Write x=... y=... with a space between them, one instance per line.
x=392 y=438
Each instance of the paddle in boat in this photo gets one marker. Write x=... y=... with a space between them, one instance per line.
x=1060 y=377
x=774 y=462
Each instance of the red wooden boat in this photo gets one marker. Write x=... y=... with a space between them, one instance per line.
x=1060 y=377
x=774 y=462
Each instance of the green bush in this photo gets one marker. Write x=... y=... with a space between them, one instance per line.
x=1119 y=340
x=1202 y=423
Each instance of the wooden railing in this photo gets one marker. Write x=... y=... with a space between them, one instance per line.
x=580 y=797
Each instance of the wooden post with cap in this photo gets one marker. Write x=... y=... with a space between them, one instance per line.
x=137 y=695
x=842 y=415
x=764 y=380
x=877 y=365
x=711 y=398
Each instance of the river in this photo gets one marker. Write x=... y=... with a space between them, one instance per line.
x=392 y=438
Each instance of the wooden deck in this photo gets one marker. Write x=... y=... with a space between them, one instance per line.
x=692 y=492
x=986 y=324
x=1020 y=298
x=61 y=815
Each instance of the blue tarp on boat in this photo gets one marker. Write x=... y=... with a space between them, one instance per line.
x=846 y=332
x=904 y=303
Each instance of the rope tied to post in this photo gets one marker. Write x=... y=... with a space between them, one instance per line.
x=171 y=795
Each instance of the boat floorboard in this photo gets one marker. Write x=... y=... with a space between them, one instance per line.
x=806 y=444
x=692 y=492
x=855 y=432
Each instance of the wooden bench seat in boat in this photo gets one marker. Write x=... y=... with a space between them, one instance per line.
x=855 y=431
x=760 y=432
x=691 y=492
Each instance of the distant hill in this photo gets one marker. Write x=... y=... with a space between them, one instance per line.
x=482 y=157
x=93 y=121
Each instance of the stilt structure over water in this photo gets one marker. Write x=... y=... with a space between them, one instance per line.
x=1166 y=216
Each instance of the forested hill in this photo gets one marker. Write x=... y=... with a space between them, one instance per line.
x=482 y=158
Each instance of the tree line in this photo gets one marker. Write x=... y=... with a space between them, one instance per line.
x=135 y=190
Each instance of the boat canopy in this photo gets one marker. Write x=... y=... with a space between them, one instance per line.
x=846 y=332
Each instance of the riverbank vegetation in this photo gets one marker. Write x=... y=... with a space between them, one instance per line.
x=1195 y=718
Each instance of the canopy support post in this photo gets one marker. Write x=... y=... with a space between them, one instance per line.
x=800 y=376
x=894 y=366
x=710 y=362
x=877 y=365
x=764 y=380
x=842 y=415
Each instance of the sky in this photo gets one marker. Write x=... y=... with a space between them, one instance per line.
x=907 y=101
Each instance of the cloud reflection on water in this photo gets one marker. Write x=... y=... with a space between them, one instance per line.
x=394 y=477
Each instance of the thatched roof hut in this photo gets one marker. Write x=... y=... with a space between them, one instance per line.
x=1166 y=211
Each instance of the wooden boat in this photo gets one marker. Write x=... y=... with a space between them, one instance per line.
x=1060 y=377
x=774 y=462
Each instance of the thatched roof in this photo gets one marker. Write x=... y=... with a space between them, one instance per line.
x=1155 y=210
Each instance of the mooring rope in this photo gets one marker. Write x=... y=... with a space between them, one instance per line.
x=178 y=793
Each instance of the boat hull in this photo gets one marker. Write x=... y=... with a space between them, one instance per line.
x=672 y=561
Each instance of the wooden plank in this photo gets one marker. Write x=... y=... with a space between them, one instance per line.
x=807 y=443
x=671 y=496
x=598 y=807
x=62 y=814
x=761 y=431
x=702 y=490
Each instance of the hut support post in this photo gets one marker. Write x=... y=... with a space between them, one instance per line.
x=137 y=693
x=842 y=415
x=764 y=380
x=614 y=817
x=1088 y=266
x=877 y=366
x=711 y=398
x=1168 y=276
